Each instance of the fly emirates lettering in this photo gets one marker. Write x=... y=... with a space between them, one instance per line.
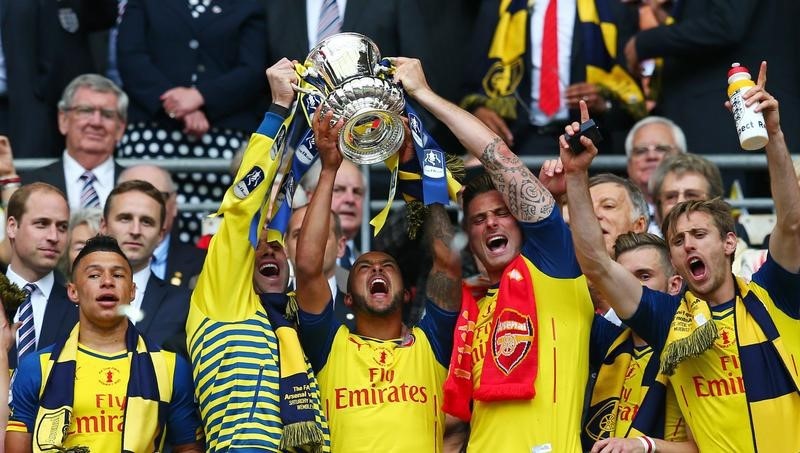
x=374 y=395
x=730 y=384
x=107 y=418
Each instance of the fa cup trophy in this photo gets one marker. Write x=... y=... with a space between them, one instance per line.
x=346 y=73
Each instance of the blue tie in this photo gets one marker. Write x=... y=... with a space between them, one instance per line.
x=27 y=333
x=89 y=198
x=346 y=261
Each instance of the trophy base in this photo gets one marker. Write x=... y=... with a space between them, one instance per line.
x=371 y=136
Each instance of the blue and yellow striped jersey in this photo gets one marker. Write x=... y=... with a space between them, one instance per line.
x=231 y=343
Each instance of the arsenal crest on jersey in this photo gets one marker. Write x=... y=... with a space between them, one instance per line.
x=512 y=339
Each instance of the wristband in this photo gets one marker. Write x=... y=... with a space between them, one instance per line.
x=648 y=444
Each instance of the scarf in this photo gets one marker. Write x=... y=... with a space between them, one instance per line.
x=298 y=403
x=602 y=414
x=503 y=69
x=511 y=363
x=771 y=387
x=691 y=333
x=144 y=419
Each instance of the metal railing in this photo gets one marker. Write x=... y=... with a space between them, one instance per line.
x=603 y=163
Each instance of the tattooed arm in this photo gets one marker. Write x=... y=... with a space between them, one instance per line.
x=526 y=197
x=444 y=280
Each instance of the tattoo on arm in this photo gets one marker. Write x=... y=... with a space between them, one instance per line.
x=444 y=281
x=525 y=196
x=443 y=290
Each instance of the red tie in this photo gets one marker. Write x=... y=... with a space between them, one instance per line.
x=549 y=96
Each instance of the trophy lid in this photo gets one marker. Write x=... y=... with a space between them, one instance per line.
x=343 y=56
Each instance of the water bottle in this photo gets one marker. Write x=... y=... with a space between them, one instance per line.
x=749 y=123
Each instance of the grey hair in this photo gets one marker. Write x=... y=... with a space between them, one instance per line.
x=94 y=82
x=635 y=194
x=677 y=132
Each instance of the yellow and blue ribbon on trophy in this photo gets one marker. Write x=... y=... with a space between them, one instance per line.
x=426 y=179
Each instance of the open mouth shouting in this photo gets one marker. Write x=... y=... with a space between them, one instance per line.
x=497 y=243
x=379 y=287
x=697 y=268
x=269 y=269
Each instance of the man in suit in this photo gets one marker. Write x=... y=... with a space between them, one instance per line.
x=44 y=45
x=92 y=114
x=293 y=28
x=545 y=98
x=347 y=204
x=698 y=49
x=134 y=216
x=334 y=249
x=175 y=262
x=36 y=227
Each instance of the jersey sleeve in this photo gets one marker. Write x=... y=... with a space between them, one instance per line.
x=183 y=423
x=548 y=245
x=783 y=286
x=24 y=399
x=316 y=333
x=603 y=334
x=653 y=317
x=438 y=325
x=221 y=293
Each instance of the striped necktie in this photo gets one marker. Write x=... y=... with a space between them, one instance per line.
x=89 y=198
x=329 y=21
x=26 y=342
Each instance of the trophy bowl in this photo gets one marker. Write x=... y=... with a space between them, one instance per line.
x=345 y=69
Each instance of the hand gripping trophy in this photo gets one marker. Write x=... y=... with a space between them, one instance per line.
x=345 y=70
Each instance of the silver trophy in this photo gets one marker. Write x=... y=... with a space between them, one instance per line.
x=345 y=70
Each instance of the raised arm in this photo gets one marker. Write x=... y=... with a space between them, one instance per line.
x=313 y=293
x=614 y=282
x=784 y=243
x=444 y=281
x=525 y=196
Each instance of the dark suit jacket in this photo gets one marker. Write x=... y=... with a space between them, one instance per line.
x=614 y=124
x=698 y=49
x=184 y=263
x=165 y=310
x=160 y=46
x=53 y=174
x=42 y=57
x=60 y=317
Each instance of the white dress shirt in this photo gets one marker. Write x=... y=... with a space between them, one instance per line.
x=38 y=298
x=103 y=183
x=140 y=278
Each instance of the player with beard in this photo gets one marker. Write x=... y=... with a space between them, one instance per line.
x=728 y=347
x=381 y=384
x=519 y=371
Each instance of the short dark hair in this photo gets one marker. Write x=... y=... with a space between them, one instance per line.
x=627 y=242
x=18 y=200
x=479 y=184
x=100 y=243
x=137 y=185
